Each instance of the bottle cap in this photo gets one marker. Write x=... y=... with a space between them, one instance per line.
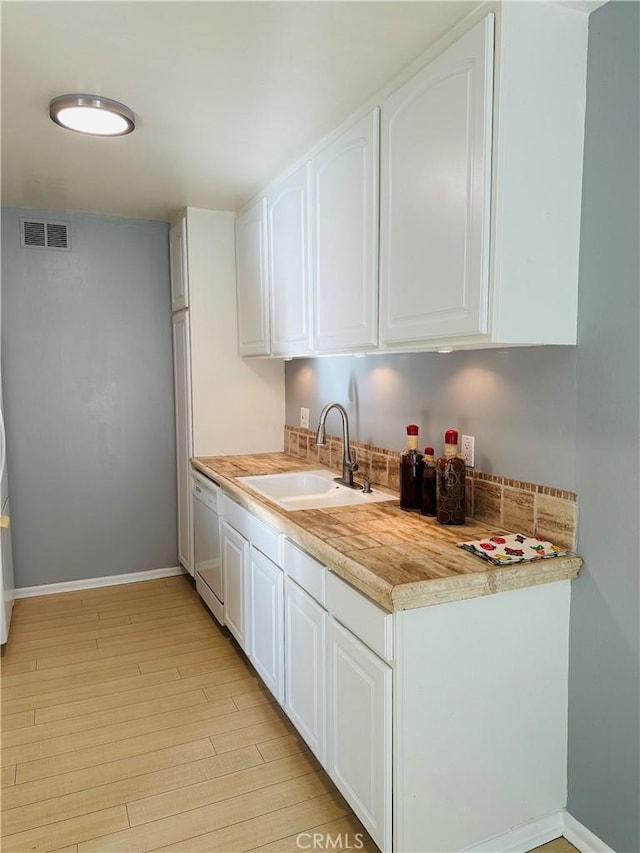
x=451 y=436
x=412 y=429
x=429 y=451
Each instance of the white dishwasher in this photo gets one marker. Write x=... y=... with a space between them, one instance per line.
x=206 y=535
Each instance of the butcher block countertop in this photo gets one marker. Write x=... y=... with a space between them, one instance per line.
x=398 y=559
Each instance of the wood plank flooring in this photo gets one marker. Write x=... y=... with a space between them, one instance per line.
x=559 y=845
x=132 y=722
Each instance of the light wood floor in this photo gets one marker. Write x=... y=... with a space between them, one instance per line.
x=131 y=722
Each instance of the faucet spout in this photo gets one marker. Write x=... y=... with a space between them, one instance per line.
x=349 y=458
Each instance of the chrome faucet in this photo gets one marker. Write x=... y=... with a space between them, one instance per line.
x=349 y=458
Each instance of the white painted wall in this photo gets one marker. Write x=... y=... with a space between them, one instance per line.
x=238 y=404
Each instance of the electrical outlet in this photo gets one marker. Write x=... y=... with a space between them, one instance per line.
x=304 y=418
x=468 y=451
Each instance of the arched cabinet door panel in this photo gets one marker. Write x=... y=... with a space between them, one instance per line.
x=345 y=239
x=435 y=196
x=252 y=280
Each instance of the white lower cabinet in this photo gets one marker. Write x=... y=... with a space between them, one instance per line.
x=266 y=604
x=335 y=689
x=480 y=699
x=359 y=726
x=305 y=667
x=235 y=557
x=444 y=727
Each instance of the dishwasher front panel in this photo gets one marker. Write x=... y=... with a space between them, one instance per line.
x=206 y=532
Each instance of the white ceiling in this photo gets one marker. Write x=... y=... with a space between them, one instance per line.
x=227 y=94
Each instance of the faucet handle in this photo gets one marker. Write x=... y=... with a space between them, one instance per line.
x=353 y=463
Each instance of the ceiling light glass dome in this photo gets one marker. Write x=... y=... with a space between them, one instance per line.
x=92 y=114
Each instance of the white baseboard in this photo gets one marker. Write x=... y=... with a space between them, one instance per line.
x=531 y=835
x=581 y=837
x=94 y=583
x=525 y=837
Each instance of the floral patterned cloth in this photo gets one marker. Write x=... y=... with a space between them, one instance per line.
x=507 y=548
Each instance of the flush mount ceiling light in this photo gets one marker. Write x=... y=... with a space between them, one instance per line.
x=92 y=114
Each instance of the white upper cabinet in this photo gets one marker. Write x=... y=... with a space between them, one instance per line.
x=288 y=251
x=480 y=202
x=178 y=265
x=252 y=280
x=345 y=239
x=470 y=179
x=434 y=197
x=538 y=145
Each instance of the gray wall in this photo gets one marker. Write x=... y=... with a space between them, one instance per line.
x=563 y=417
x=604 y=712
x=520 y=404
x=88 y=398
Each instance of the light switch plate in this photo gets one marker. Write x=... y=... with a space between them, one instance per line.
x=304 y=418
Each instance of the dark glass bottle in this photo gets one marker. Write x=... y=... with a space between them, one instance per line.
x=451 y=482
x=429 y=479
x=411 y=468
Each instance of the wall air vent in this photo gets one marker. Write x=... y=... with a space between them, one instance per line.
x=44 y=234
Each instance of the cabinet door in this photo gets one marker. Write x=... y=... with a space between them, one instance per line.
x=345 y=239
x=435 y=193
x=266 y=647
x=184 y=434
x=359 y=726
x=251 y=272
x=235 y=557
x=305 y=676
x=288 y=214
x=178 y=265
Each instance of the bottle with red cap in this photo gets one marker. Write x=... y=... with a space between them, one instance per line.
x=411 y=468
x=451 y=472
x=429 y=479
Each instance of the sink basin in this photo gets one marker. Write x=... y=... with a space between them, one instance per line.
x=310 y=490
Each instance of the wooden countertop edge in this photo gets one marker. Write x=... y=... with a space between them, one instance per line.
x=400 y=596
x=500 y=579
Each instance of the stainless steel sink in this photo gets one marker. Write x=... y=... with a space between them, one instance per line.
x=310 y=490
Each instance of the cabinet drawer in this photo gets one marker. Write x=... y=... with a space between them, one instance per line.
x=236 y=515
x=265 y=539
x=365 y=619
x=305 y=571
x=262 y=537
